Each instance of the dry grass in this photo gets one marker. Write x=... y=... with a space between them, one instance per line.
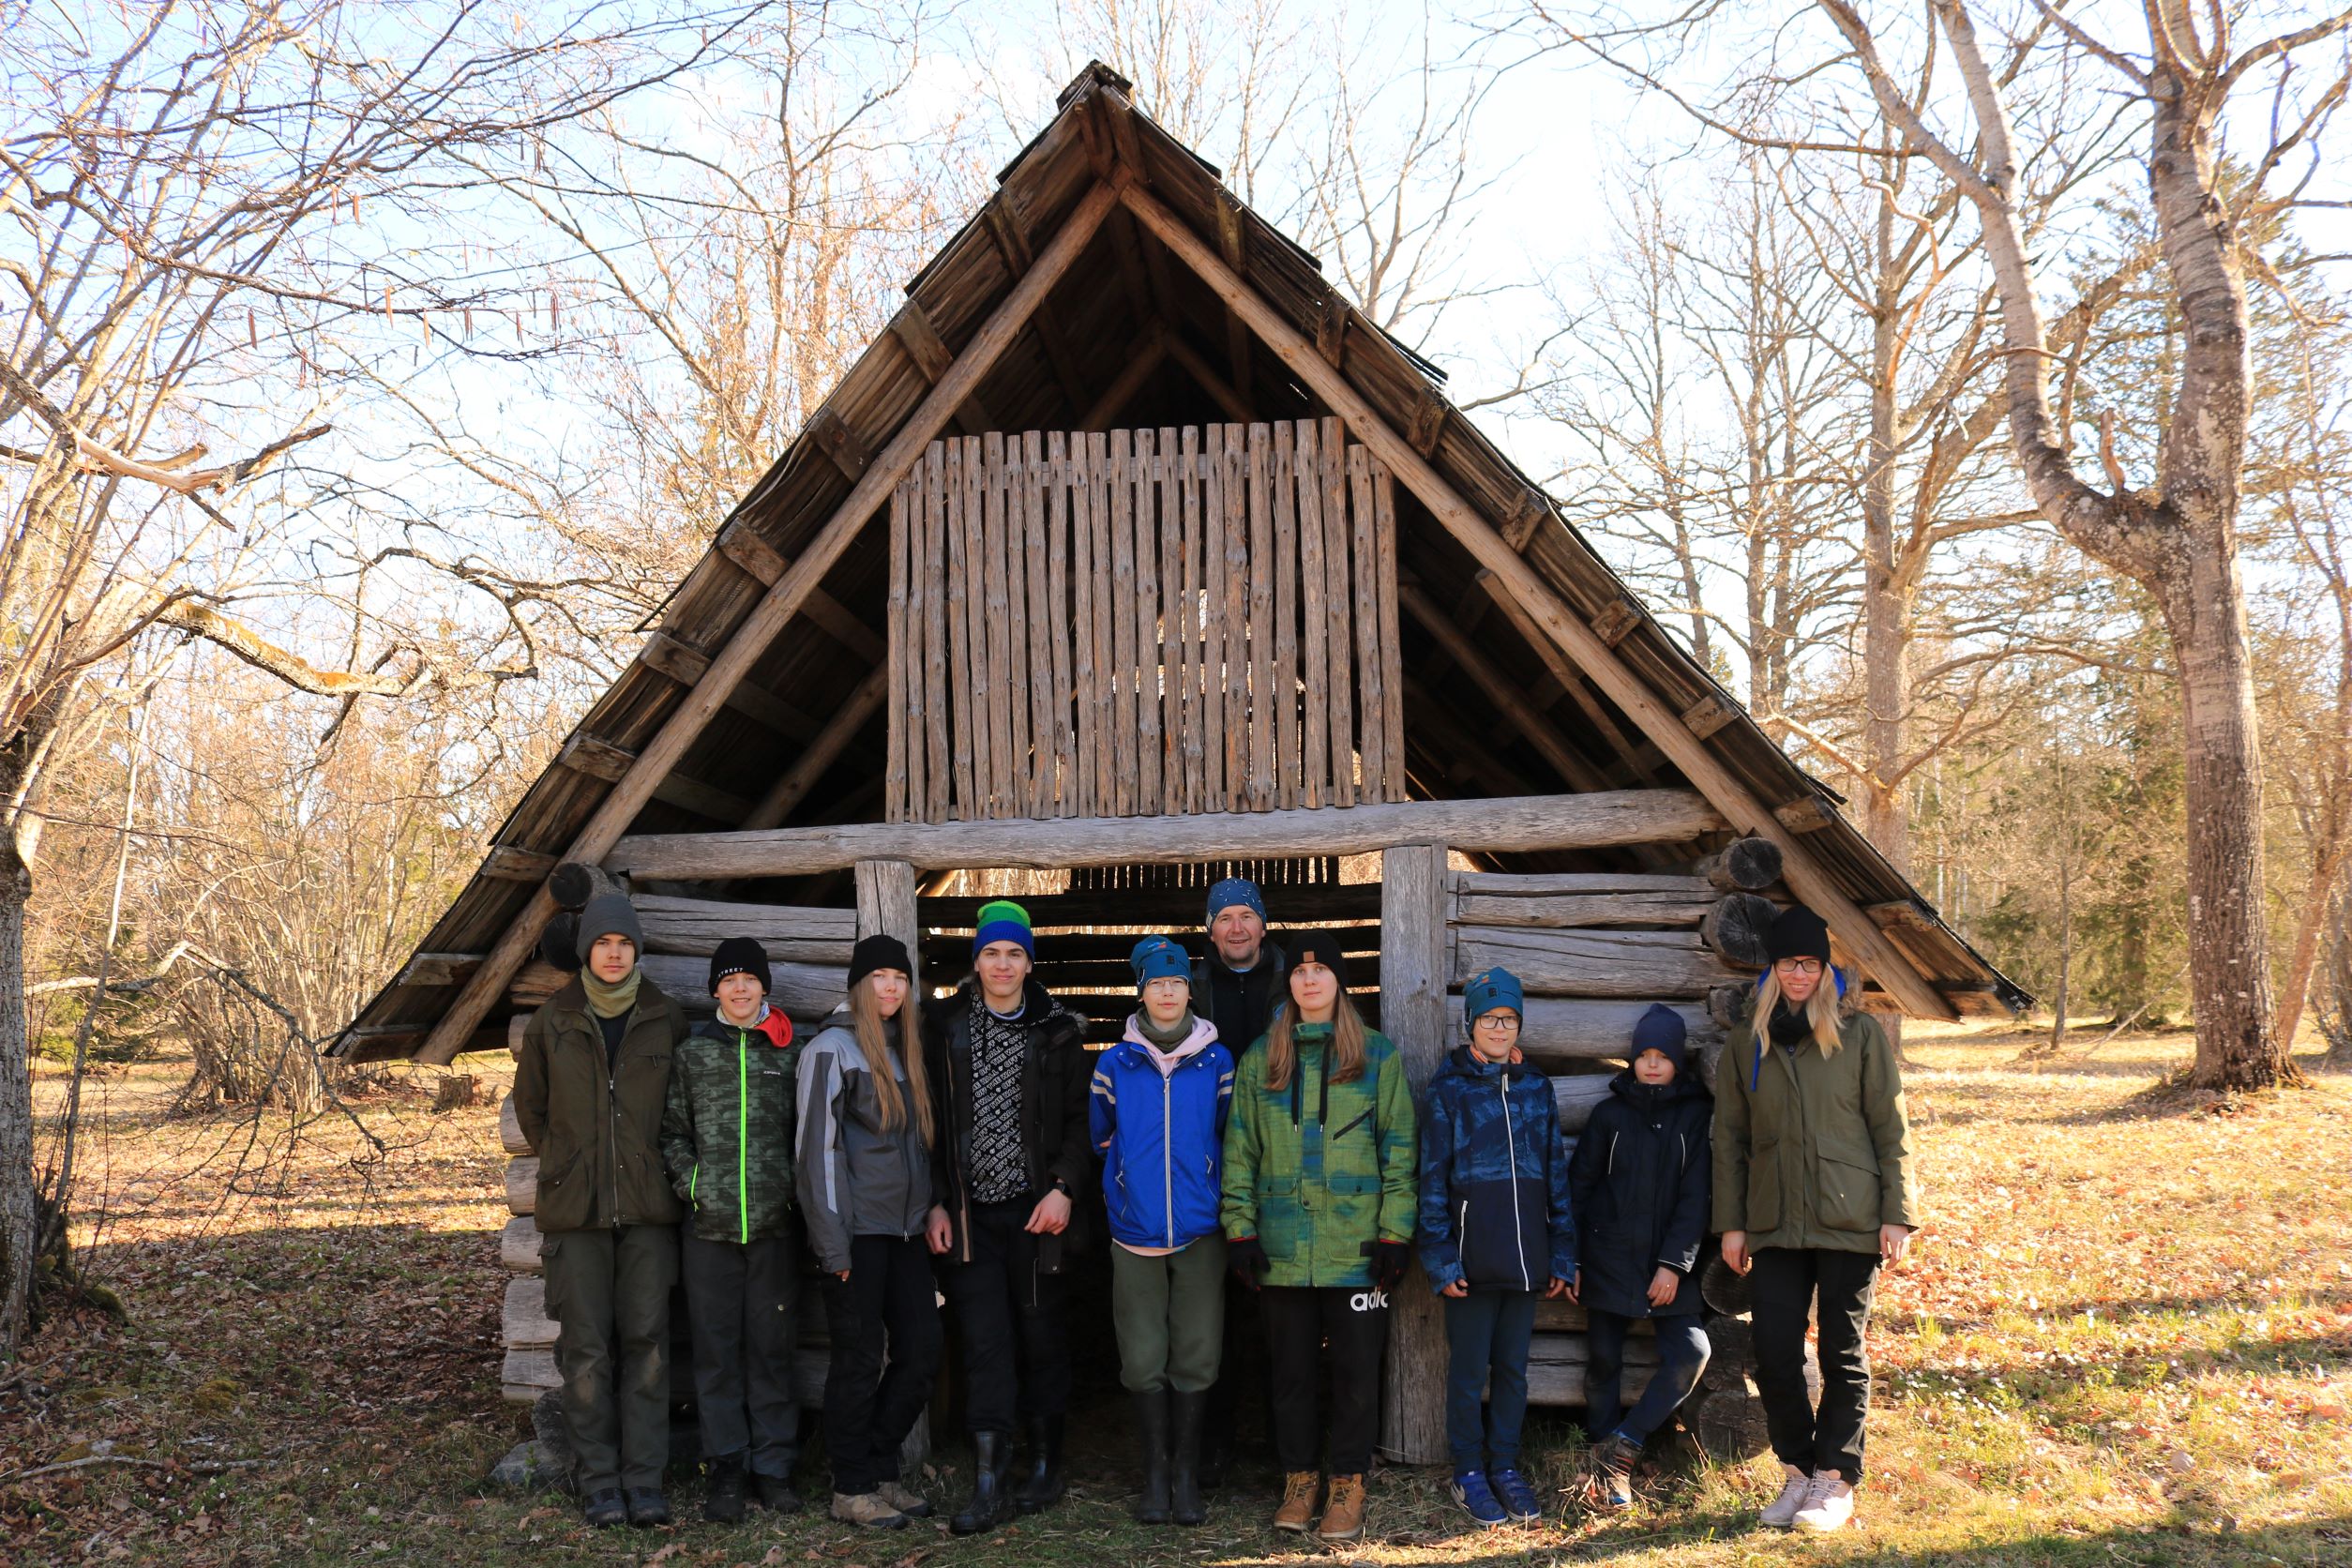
x=2127 y=1338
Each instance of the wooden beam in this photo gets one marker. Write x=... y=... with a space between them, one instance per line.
x=1571 y=681
x=1413 y=896
x=775 y=610
x=1538 y=731
x=597 y=759
x=1535 y=507
x=929 y=354
x=834 y=437
x=760 y=560
x=703 y=800
x=512 y=863
x=1806 y=878
x=1504 y=825
x=822 y=753
x=885 y=904
x=1807 y=813
x=1013 y=246
x=1148 y=356
x=1708 y=715
x=438 y=969
x=1617 y=618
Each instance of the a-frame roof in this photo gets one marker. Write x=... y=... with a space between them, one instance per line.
x=1130 y=335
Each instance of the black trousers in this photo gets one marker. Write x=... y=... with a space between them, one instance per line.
x=1786 y=1283
x=742 y=1301
x=1300 y=1321
x=1013 y=1319
x=885 y=1303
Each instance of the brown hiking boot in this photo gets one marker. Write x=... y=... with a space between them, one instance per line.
x=1343 y=1515
x=868 y=1509
x=1297 y=1500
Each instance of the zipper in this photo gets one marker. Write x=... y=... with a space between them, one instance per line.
x=1167 y=1157
x=1461 y=1252
x=742 y=1142
x=1510 y=1144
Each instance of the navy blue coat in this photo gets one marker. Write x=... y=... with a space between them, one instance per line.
x=1641 y=1180
x=1494 y=1179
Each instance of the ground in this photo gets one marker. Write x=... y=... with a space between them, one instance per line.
x=2125 y=1336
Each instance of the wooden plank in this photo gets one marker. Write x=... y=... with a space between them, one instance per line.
x=1808 y=879
x=837 y=441
x=585 y=754
x=1578 y=1095
x=980 y=675
x=519 y=1246
x=820 y=753
x=1313 y=646
x=512 y=863
x=1102 y=482
x=1168 y=470
x=1594 y=963
x=510 y=1134
x=1261 y=632
x=1371 y=704
x=1190 y=710
x=707 y=800
x=1507 y=696
x=1060 y=623
x=1505 y=824
x=1039 y=674
x=1217 y=794
x=885 y=905
x=997 y=702
x=963 y=581
x=1617 y=618
x=668 y=656
x=1086 y=571
x=1708 y=715
x=1569 y=911
x=1144 y=476
x=438 y=969
x=1807 y=813
x=895 y=807
x=1284 y=689
x=1013 y=543
x=938 y=768
x=1123 y=654
x=1390 y=646
x=1332 y=450
x=1413 y=1013
x=913 y=328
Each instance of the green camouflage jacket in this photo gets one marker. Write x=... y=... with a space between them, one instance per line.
x=727 y=1135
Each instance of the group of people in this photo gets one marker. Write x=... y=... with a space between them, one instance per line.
x=1253 y=1141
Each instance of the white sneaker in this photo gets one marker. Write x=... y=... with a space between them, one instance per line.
x=1829 y=1503
x=1794 y=1494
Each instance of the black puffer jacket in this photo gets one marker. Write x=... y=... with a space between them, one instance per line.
x=1055 y=1076
x=1640 y=1183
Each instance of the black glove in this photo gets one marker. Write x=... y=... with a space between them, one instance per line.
x=1247 y=1260
x=1388 y=1262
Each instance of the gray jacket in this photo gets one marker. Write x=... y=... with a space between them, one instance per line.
x=854 y=1179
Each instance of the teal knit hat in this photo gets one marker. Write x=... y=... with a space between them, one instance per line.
x=1003 y=920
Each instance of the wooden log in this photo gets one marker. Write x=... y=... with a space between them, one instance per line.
x=515 y=1028
x=1810 y=879
x=1500 y=825
x=1736 y=930
x=789 y=932
x=1668 y=964
x=524 y=1375
x=1728 y=1293
x=1742 y=865
x=799 y=991
x=1559 y=1315
x=510 y=1135
x=1729 y=1424
x=1085 y=668
x=1566 y=912
x=1176 y=910
x=1234 y=482
x=519 y=1246
x=1555 y=1029
x=1414 y=890
x=510 y=862
x=1125 y=760
x=1557 y=1363
x=522 y=1184
x=1100 y=487
x=1150 y=799
x=1191 y=710
x=1387 y=645
x=1042 y=615
x=438 y=969
x=996 y=700
x=1732 y=1352
x=575 y=882
x=1577 y=1094
x=523 y=1322
x=1727 y=1005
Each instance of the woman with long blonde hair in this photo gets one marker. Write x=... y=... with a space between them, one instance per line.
x=1812 y=1194
x=864 y=1189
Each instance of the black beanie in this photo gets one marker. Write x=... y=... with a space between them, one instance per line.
x=1798 y=933
x=879 y=951
x=1318 y=947
x=740 y=956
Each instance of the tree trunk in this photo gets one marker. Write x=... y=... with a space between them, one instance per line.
x=2229 y=971
x=18 y=1209
x=1885 y=607
x=2295 y=990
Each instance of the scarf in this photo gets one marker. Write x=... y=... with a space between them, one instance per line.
x=1166 y=1039
x=612 y=999
x=1788 y=1030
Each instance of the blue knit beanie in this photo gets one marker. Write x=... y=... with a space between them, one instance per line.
x=1158 y=958
x=1231 y=891
x=1662 y=1030
x=1003 y=920
x=1488 y=990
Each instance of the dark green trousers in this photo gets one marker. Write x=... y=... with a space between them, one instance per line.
x=1169 y=1315
x=608 y=1293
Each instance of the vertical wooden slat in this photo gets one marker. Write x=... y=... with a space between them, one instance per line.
x=1018 y=775
x=1142 y=478
x=1237 y=617
x=1413 y=1016
x=1190 y=713
x=961 y=591
x=983 y=688
x=1036 y=668
x=937 y=773
x=1122 y=659
x=1106 y=642
x=1315 y=671
x=1284 y=689
x=1392 y=671
x=1369 y=669
x=1261 y=632
x=909 y=641
x=1169 y=472
x=1086 y=573
x=1003 y=797
x=895 y=703
x=1213 y=773
x=1341 y=693
x=1060 y=619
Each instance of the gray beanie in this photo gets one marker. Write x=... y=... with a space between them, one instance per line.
x=606 y=913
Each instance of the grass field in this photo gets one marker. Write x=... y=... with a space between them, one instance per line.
x=2125 y=1338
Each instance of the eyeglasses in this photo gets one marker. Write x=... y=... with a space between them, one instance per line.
x=1498 y=1023
x=1798 y=966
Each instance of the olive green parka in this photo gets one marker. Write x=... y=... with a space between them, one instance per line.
x=597 y=1123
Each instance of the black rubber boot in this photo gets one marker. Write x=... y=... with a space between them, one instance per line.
x=1187 y=1412
x=725 y=1503
x=1151 y=1423
x=992 y=1502
x=1042 y=1488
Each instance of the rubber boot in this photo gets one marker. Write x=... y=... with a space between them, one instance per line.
x=1189 y=1413
x=1150 y=1420
x=1042 y=1488
x=992 y=1502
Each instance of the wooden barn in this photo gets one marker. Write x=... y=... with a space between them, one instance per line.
x=1132 y=553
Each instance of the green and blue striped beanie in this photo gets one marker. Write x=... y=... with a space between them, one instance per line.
x=1003 y=920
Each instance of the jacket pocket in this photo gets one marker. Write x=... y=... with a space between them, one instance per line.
x=562 y=1201
x=1849 y=1193
x=1351 y=1126
x=1355 y=1204
x=1764 y=1197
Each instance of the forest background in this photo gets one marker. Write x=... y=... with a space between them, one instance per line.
x=415 y=350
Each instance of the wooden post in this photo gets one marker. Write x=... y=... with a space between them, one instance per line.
x=1413 y=889
x=885 y=902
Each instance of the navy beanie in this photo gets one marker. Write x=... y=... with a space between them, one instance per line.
x=740 y=956
x=1662 y=1030
x=1798 y=933
x=1235 y=890
x=1158 y=958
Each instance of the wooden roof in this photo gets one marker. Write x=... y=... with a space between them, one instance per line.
x=1130 y=336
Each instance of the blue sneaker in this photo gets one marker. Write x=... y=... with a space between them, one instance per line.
x=1478 y=1499
x=1518 y=1498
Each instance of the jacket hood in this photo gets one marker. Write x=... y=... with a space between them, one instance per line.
x=1848 y=1001
x=1464 y=1062
x=1626 y=1087
x=773 y=1025
x=1204 y=1034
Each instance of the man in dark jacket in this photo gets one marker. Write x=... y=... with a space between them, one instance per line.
x=591 y=1083
x=1641 y=1181
x=1009 y=1076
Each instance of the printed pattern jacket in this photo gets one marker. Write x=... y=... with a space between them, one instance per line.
x=727 y=1135
x=1495 y=1208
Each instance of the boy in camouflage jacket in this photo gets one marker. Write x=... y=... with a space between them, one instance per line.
x=727 y=1138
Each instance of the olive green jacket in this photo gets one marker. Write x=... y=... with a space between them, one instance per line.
x=1320 y=1170
x=1811 y=1150
x=597 y=1125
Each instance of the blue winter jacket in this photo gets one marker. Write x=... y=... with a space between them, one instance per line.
x=1162 y=1136
x=1641 y=1176
x=1494 y=1179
